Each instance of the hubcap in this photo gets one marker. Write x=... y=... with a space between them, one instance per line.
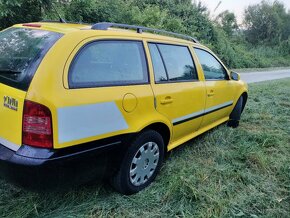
x=144 y=163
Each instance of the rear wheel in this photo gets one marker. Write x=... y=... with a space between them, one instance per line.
x=235 y=116
x=141 y=163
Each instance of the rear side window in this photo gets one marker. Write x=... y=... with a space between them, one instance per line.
x=109 y=63
x=178 y=62
x=212 y=68
x=21 y=51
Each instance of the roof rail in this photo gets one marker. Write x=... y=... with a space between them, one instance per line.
x=140 y=29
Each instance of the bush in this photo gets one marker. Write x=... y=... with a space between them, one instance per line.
x=181 y=16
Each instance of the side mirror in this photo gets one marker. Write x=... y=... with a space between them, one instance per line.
x=235 y=76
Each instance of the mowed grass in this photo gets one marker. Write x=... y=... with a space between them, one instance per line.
x=243 y=172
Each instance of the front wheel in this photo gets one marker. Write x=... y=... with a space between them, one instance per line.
x=141 y=163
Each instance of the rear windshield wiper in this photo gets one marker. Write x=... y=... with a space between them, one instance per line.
x=10 y=72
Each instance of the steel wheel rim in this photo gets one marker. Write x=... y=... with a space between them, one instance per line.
x=144 y=163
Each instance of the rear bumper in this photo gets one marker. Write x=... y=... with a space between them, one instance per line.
x=37 y=168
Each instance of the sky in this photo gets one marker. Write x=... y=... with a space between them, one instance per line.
x=236 y=6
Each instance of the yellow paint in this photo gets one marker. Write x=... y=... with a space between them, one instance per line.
x=50 y=87
x=130 y=102
x=11 y=120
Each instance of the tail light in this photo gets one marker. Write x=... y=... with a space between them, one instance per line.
x=37 y=125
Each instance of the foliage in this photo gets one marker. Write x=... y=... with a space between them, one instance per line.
x=228 y=22
x=18 y=11
x=93 y=11
x=285 y=47
x=267 y=25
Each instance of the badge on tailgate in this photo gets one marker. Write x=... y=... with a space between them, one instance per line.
x=11 y=103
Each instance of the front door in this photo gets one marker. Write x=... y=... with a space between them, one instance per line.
x=219 y=88
x=179 y=95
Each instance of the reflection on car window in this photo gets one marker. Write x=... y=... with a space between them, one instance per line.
x=159 y=70
x=21 y=48
x=212 y=68
x=178 y=62
x=104 y=63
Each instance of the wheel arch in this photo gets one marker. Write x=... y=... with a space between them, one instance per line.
x=163 y=130
x=245 y=99
x=236 y=114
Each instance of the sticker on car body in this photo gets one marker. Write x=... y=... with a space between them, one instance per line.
x=10 y=103
x=84 y=121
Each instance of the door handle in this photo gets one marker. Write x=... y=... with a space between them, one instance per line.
x=167 y=100
x=210 y=93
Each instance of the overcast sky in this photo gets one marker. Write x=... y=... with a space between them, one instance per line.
x=236 y=6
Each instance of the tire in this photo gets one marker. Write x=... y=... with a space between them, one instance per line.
x=138 y=161
x=235 y=116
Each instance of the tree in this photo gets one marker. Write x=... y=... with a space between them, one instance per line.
x=265 y=22
x=21 y=11
x=228 y=22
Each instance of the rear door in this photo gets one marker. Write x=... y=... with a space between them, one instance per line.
x=179 y=94
x=21 y=51
x=219 y=88
x=107 y=91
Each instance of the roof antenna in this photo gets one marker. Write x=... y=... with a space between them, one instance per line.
x=218 y=5
x=50 y=4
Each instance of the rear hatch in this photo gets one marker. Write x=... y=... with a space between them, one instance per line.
x=21 y=52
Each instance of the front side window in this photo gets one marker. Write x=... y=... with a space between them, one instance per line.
x=21 y=51
x=212 y=68
x=109 y=63
x=178 y=62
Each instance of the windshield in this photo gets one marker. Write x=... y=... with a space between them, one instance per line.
x=21 y=51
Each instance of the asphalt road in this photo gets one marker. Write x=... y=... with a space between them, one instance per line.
x=252 y=77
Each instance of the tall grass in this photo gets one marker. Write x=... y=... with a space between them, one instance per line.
x=243 y=172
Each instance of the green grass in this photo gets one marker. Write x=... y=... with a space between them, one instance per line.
x=243 y=172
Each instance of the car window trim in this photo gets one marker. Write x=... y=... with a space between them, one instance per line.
x=179 y=81
x=96 y=85
x=228 y=77
x=164 y=65
x=163 y=62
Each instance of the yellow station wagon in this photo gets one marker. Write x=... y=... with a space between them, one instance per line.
x=81 y=101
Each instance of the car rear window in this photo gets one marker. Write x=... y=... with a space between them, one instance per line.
x=21 y=51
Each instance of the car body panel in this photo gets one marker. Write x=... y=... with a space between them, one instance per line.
x=89 y=96
x=11 y=107
x=50 y=87
x=93 y=127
